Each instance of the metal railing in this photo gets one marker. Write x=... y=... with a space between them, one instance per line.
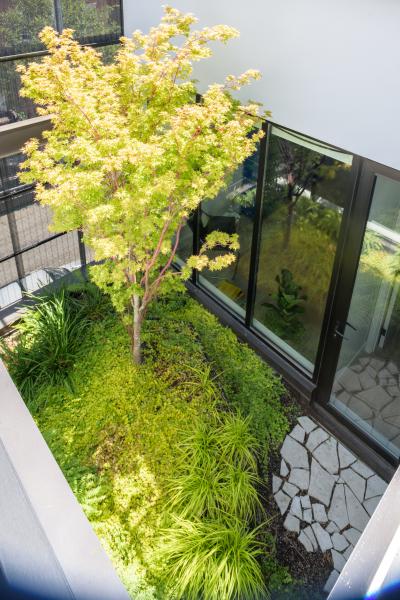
x=30 y=256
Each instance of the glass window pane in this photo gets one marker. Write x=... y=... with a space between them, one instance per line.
x=108 y=53
x=367 y=382
x=307 y=185
x=232 y=211
x=97 y=21
x=185 y=248
x=20 y=23
x=12 y=106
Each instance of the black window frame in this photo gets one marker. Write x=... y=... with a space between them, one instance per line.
x=315 y=387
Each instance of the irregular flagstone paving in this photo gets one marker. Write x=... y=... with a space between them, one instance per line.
x=325 y=494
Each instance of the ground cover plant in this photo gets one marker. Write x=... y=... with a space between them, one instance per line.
x=123 y=434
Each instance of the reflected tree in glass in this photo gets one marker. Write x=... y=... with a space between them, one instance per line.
x=232 y=212
x=307 y=185
x=20 y=23
x=92 y=21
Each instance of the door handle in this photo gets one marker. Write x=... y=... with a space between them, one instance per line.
x=337 y=331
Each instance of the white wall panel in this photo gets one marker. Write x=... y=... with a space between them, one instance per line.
x=330 y=69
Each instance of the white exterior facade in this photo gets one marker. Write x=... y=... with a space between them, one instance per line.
x=330 y=69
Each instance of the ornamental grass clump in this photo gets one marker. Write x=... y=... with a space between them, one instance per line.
x=210 y=548
x=49 y=338
x=213 y=560
x=131 y=154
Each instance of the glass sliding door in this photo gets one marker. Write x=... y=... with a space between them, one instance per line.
x=307 y=187
x=367 y=382
x=233 y=212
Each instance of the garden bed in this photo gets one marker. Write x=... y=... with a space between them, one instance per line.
x=117 y=431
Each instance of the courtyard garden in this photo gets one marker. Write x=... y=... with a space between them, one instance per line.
x=166 y=426
x=171 y=459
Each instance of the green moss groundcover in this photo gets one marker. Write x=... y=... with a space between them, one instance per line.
x=167 y=459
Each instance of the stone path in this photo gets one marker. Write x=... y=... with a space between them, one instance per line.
x=324 y=492
x=371 y=390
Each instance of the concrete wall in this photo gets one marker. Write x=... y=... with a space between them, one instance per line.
x=330 y=69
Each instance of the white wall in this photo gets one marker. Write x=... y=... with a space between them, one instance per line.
x=331 y=69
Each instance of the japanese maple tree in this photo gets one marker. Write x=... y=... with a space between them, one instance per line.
x=131 y=154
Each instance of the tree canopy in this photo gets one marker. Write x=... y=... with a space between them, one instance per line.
x=131 y=154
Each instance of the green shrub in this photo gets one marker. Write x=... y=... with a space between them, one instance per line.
x=244 y=381
x=209 y=549
x=50 y=334
x=90 y=300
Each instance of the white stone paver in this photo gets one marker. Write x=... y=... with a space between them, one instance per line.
x=316 y=438
x=307 y=424
x=338 y=560
x=375 y=487
x=346 y=458
x=284 y=469
x=355 y=482
x=292 y=523
x=303 y=539
x=338 y=510
x=319 y=513
x=294 y=453
x=290 y=489
x=371 y=504
x=348 y=551
x=326 y=455
x=276 y=483
x=324 y=492
x=307 y=515
x=300 y=478
x=331 y=581
x=311 y=536
x=298 y=434
x=332 y=527
x=362 y=469
x=323 y=538
x=352 y=535
x=339 y=542
x=321 y=483
x=282 y=501
x=295 y=508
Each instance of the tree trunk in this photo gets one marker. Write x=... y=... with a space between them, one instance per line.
x=137 y=330
x=288 y=226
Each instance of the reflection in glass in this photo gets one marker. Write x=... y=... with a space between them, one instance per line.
x=20 y=23
x=367 y=382
x=233 y=212
x=185 y=248
x=9 y=169
x=307 y=185
x=92 y=21
x=12 y=106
